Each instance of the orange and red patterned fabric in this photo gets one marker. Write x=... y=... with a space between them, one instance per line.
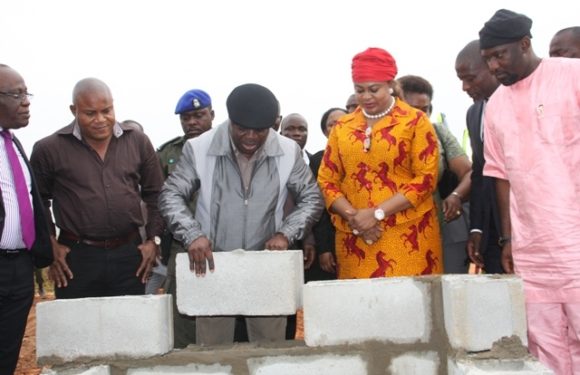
x=402 y=158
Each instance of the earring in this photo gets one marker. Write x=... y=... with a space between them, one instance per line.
x=390 y=90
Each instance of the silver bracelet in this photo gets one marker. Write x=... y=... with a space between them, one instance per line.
x=456 y=194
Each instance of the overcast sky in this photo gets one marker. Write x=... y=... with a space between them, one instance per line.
x=151 y=52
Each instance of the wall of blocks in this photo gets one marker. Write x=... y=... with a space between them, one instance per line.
x=453 y=324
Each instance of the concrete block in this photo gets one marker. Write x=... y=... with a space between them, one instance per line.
x=426 y=363
x=128 y=326
x=393 y=310
x=327 y=364
x=96 y=370
x=180 y=370
x=243 y=283
x=497 y=367
x=480 y=310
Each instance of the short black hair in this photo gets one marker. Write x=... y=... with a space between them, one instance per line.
x=325 y=117
x=575 y=30
x=416 y=84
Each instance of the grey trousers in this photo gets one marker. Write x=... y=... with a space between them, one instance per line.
x=183 y=325
x=218 y=330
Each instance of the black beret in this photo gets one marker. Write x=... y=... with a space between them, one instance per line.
x=252 y=106
x=504 y=27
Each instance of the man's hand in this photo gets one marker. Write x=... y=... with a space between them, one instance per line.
x=309 y=255
x=507 y=261
x=200 y=252
x=473 y=249
x=149 y=253
x=277 y=242
x=59 y=272
x=327 y=262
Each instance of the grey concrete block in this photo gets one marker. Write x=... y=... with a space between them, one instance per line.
x=244 y=283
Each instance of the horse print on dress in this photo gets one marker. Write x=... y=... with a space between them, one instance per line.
x=352 y=248
x=431 y=263
x=411 y=238
x=383 y=265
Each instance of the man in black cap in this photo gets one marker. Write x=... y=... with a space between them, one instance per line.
x=196 y=116
x=241 y=169
x=531 y=148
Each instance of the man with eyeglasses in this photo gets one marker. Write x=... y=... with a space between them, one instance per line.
x=95 y=172
x=24 y=235
x=242 y=172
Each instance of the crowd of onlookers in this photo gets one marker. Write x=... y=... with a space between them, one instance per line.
x=392 y=194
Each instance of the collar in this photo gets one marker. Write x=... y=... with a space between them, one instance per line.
x=75 y=130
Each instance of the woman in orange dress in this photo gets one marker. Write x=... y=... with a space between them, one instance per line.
x=378 y=174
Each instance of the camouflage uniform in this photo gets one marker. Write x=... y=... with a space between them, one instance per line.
x=183 y=325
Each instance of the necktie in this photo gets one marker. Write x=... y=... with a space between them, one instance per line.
x=22 y=194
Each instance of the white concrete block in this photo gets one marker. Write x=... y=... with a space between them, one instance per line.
x=426 y=363
x=128 y=326
x=180 y=370
x=328 y=364
x=480 y=310
x=96 y=370
x=243 y=283
x=497 y=367
x=353 y=311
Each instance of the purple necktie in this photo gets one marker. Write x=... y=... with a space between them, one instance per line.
x=22 y=194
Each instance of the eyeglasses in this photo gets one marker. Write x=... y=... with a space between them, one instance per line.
x=20 y=96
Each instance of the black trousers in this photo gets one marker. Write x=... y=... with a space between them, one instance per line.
x=102 y=272
x=16 y=296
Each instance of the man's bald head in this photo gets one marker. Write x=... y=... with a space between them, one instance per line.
x=90 y=86
x=471 y=53
x=295 y=126
x=94 y=111
x=477 y=80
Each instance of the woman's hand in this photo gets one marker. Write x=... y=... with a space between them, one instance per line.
x=362 y=220
x=452 y=208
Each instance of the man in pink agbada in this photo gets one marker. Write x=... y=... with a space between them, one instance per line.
x=532 y=148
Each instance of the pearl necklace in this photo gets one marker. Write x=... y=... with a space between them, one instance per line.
x=382 y=114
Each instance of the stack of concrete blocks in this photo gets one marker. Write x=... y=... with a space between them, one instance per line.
x=457 y=325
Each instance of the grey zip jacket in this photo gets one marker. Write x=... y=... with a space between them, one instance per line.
x=228 y=216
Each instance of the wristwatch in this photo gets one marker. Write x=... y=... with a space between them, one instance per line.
x=379 y=214
x=157 y=240
x=504 y=241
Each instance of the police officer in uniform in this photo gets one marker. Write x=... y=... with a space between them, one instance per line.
x=196 y=116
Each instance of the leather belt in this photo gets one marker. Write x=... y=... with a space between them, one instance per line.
x=12 y=252
x=109 y=243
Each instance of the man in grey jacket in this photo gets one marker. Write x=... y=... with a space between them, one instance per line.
x=242 y=171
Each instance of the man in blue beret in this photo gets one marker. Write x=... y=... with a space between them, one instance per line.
x=242 y=171
x=196 y=116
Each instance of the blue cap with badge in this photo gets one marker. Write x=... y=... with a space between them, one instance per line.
x=193 y=100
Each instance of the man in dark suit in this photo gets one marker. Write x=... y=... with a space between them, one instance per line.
x=482 y=246
x=24 y=234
